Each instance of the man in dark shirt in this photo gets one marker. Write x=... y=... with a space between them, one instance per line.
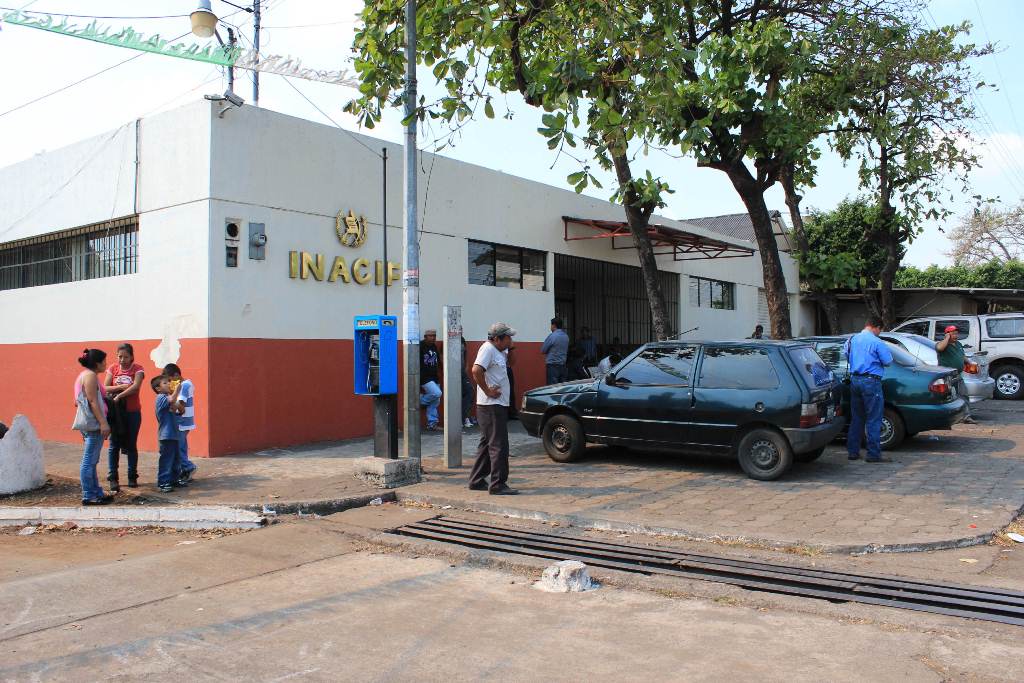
x=951 y=355
x=430 y=388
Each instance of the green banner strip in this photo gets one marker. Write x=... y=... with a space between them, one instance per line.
x=129 y=38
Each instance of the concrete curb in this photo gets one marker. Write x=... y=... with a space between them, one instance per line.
x=318 y=507
x=204 y=517
x=599 y=524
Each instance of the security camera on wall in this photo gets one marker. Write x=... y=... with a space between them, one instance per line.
x=232 y=231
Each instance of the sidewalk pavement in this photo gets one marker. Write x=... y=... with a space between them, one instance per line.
x=312 y=478
x=945 y=489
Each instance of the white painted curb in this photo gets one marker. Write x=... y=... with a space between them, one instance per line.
x=200 y=517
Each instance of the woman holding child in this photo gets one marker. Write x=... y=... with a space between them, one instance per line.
x=91 y=421
x=122 y=383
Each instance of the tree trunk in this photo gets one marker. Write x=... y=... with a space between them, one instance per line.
x=771 y=264
x=830 y=304
x=887 y=280
x=639 y=218
x=788 y=181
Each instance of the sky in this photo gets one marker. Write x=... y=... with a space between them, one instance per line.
x=319 y=32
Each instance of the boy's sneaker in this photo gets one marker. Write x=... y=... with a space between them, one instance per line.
x=133 y=483
x=187 y=476
x=181 y=483
x=166 y=488
x=102 y=500
x=113 y=485
x=467 y=424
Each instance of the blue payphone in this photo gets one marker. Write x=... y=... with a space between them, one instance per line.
x=376 y=351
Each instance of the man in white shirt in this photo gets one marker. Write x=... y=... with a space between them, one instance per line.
x=490 y=372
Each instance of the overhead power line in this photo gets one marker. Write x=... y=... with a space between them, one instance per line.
x=93 y=16
x=326 y=116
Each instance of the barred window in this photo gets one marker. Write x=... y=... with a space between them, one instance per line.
x=497 y=265
x=705 y=293
x=92 y=251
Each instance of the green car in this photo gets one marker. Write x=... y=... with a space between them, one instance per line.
x=918 y=397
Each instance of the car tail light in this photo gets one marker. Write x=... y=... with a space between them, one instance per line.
x=809 y=415
x=939 y=387
x=970 y=367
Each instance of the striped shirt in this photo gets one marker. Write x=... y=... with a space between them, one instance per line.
x=186 y=395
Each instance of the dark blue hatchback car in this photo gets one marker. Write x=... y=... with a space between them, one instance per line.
x=768 y=403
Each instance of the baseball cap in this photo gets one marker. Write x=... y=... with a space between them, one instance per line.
x=500 y=330
x=950 y=328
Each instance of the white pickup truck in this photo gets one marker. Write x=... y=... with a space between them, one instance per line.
x=999 y=335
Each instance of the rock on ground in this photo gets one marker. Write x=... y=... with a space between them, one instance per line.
x=21 y=458
x=567 y=576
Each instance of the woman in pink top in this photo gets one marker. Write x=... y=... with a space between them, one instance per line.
x=87 y=385
x=122 y=383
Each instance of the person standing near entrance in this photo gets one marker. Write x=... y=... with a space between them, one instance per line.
x=490 y=371
x=556 y=349
x=951 y=355
x=91 y=421
x=868 y=355
x=589 y=346
x=430 y=389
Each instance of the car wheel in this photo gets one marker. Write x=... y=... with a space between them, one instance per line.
x=1009 y=382
x=764 y=454
x=809 y=456
x=563 y=438
x=893 y=430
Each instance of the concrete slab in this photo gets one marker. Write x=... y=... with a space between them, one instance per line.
x=381 y=517
x=198 y=517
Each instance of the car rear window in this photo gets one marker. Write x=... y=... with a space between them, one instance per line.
x=901 y=357
x=811 y=367
x=919 y=327
x=737 y=367
x=1005 y=328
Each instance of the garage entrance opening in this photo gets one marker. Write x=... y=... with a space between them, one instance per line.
x=610 y=300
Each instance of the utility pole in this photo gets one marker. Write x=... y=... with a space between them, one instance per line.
x=256 y=49
x=384 y=221
x=411 y=281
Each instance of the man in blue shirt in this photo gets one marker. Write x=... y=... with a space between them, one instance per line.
x=867 y=355
x=556 y=350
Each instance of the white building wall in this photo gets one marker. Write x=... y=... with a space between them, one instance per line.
x=295 y=176
x=169 y=294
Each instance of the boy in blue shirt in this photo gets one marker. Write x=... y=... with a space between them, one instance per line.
x=183 y=397
x=167 y=433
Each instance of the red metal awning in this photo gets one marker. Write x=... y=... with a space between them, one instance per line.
x=679 y=244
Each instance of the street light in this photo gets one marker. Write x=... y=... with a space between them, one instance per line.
x=204 y=21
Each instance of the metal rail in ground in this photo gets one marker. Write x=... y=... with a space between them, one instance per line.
x=973 y=602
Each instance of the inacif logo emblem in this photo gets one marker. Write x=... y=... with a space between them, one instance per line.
x=351 y=229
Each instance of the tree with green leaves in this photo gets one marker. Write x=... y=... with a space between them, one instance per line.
x=579 y=61
x=837 y=253
x=994 y=274
x=908 y=128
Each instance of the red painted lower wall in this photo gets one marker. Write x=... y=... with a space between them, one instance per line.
x=37 y=380
x=251 y=394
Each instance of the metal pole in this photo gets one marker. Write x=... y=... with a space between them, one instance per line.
x=384 y=220
x=231 y=69
x=452 y=316
x=411 y=281
x=256 y=49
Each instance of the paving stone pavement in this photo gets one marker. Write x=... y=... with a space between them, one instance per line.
x=943 y=488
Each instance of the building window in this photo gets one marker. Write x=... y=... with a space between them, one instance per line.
x=705 y=293
x=86 y=253
x=497 y=265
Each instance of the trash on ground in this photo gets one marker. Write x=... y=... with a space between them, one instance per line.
x=567 y=576
x=968 y=560
x=446 y=507
x=187 y=542
x=1014 y=536
x=27 y=531
x=269 y=510
x=377 y=501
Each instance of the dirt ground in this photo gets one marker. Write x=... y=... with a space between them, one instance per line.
x=61 y=491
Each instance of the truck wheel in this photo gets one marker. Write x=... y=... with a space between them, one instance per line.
x=764 y=454
x=809 y=456
x=1009 y=382
x=563 y=438
x=893 y=430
